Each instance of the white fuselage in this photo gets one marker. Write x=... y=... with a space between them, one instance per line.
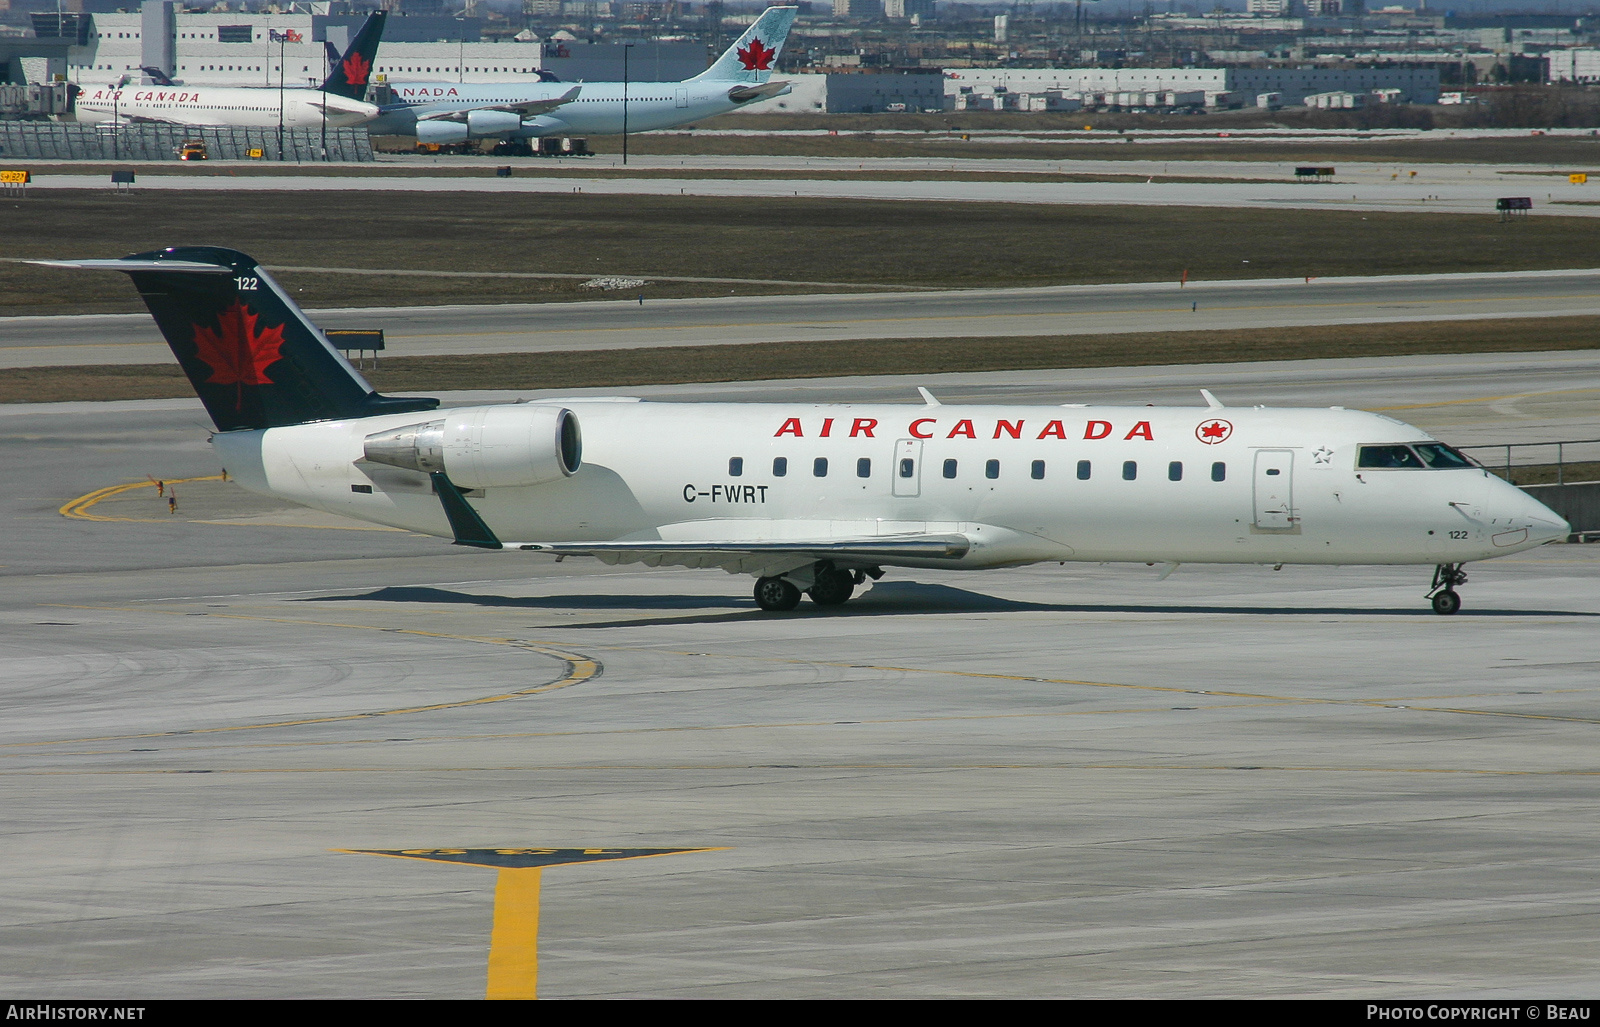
x=223 y=107
x=598 y=109
x=1025 y=484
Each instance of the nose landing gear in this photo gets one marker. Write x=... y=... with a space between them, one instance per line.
x=1443 y=594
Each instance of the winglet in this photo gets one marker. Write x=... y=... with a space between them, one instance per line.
x=1211 y=401
x=465 y=523
x=927 y=397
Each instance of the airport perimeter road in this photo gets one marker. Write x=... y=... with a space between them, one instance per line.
x=1052 y=781
x=1062 y=310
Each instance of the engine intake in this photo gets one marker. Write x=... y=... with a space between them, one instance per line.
x=487 y=447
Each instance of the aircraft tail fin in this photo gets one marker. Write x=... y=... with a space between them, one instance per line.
x=753 y=56
x=354 y=70
x=250 y=352
x=156 y=76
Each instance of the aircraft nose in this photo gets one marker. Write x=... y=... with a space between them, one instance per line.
x=1541 y=523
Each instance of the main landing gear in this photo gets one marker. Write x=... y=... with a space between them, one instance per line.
x=1446 y=577
x=830 y=586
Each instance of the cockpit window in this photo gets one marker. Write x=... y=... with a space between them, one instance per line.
x=1388 y=456
x=1437 y=454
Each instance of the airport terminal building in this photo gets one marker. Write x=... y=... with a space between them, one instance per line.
x=1220 y=86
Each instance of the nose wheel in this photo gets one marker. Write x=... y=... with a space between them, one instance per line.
x=1446 y=600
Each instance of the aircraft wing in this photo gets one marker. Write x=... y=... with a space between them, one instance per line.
x=526 y=108
x=736 y=556
x=748 y=556
x=733 y=555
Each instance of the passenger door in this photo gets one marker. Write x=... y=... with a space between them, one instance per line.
x=907 y=469
x=1274 y=489
x=683 y=96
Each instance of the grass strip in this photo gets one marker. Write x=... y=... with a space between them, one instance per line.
x=662 y=238
x=761 y=361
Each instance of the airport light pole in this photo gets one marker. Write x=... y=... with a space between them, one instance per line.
x=283 y=37
x=625 y=48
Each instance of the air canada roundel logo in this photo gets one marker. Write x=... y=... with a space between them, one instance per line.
x=1213 y=431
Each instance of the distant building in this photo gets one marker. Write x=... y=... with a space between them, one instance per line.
x=1575 y=65
x=858 y=8
x=899 y=9
x=1272 y=8
x=1221 y=86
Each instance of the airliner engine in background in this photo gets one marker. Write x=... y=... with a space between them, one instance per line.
x=817 y=498
x=450 y=112
x=338 y=103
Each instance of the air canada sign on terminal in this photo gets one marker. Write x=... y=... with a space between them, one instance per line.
x=968 y=428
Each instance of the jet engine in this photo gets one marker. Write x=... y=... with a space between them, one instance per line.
x=490 y=123
x=487 y=447
x=477 y=123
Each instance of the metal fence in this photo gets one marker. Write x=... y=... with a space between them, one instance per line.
x=1563 y=456
x=45 y=140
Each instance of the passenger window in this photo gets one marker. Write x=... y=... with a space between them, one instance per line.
x=780 y=466
x=1038 y=470
x=991 y=469
x=1083 y=470
x=1219 y=471
x=736 y=466
x=949 y=468
x=863 y=468
x=1130 y=470
x=1388 y=456
x=819 y=467
x=1175 y=471
x=908 y=467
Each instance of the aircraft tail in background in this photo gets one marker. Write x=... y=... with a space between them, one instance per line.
x=753 y=57
x=352 y=73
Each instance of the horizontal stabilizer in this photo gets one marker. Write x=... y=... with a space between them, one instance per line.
x=765 y=91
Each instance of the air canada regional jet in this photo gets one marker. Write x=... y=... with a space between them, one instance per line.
x=817 y=498
x=450 y=112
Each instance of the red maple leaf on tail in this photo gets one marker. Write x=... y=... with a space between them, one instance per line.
x=356 y=69
x=756 y=56
x=239 y=351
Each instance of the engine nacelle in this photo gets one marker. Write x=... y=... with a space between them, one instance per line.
x=493 y=123
x=487 y=447
x=438 y=131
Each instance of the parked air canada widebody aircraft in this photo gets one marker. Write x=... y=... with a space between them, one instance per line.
x=338 y=103
x=452 y=112
x=816 y=498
